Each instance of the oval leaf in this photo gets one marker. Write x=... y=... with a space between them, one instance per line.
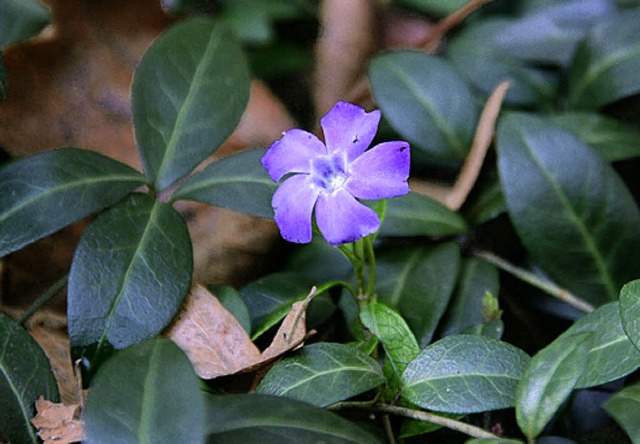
x=129 y=275
x=342 y=372
x=48 y=191
x=426 y=101
x=21 y=19
x=624 y=407
x=465 y=374
x=25 y=375
x=247 y=418
x=146 y=393
x=188 y=95
x=611 y=354
x=237 y=182
x=606 y=64
x=630 y=311
x=569 y=207
x=549 y=380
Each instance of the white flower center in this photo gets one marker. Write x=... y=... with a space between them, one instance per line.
x=329 y=172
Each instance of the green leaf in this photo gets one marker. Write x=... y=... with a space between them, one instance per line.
x=237 y=182
x=611 y=354
x=21 y=19
x=613 y=139
x=322 y=374
x=264 y=419
x=230 y=298
x=416 y=215
x=129 y=275
x=486 y=202
x=440 y=8
x=146 y=393
x=25 y=375
x=606 y=64
x=569 y=207
x=418 y=282
x=624 y=407
x=397 y=339
x=465 y=374
x=492 y=441
x=485 y=67
x=630 y=311
x=188 y=95
x=426 y=101
x=549 y=380
x=46 y=192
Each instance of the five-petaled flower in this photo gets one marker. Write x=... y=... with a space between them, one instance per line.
x=332 y=176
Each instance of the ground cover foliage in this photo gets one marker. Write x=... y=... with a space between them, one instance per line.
x=499 y=301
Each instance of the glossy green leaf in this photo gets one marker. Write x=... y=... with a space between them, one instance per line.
x=486 y=202
x=624 y=407
x=438 y=7
x=613 y=139
x=418 y=282
x=188 y=95
x=606 y=64
x=25 y=375
x=322 y=374
x=630 y=311
x=21 y=19
x=569 y=207
x=146 y=393
x=319 y=260
x=230 y=298
x=485 y=67
x=465 y=374
x=237 y=182
x=426 y=101
x=129 y=275
x=264 y=419
x=46 y=192
x=417 y=215
x=386 y=324
x=549 y=380
x=611 y=354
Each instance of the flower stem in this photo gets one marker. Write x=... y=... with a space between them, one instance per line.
x=371 y=259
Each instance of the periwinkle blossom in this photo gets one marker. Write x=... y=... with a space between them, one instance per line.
x=331 y=177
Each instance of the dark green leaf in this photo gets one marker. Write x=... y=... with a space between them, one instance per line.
x=613 y=139
x=569 y=207
x=230 y=298
x=25 y=375
x=487 y=204
x=438 y=7
x=485 y=67
x=319 y=260
x=418 y=282
x=129 y=274
x=426 y=101
x=624 y=407
x=264 y=419
x=630 y=311
x=48 y=191
x=465 y=374
x=146 y=393
x=611 y=354
x=21 y=19
x=416 y=215
x=322 y=374
x=606 y=64
x=237 y=182
x=397 y=339
x=549 y=380
x=492 y=441
x=188 y=94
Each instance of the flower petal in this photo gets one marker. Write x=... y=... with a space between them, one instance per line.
x=349 y=128
x=293 y=204
x=381 y=172
x=341 y=218
x=292 y=153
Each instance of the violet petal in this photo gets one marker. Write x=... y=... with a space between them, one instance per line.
x=292 y=153
x=293 y=204
x=348 y=128
x=381 y=172
x=341 y=218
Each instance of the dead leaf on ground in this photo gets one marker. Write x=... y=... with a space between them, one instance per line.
x=58 y=423
x=216 y=343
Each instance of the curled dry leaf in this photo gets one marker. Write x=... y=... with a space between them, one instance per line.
x=58 y=423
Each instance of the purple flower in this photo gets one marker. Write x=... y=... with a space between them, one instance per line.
x=332 y=176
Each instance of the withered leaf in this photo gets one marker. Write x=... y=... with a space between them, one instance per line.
x=58 y=423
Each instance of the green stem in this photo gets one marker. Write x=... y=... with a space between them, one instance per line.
x=371 y=259
x=43 y=299
x=328 y=285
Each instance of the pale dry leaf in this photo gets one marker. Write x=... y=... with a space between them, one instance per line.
x=58 y=423
x=212 y=338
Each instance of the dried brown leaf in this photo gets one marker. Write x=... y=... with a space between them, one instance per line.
x=58 y=423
